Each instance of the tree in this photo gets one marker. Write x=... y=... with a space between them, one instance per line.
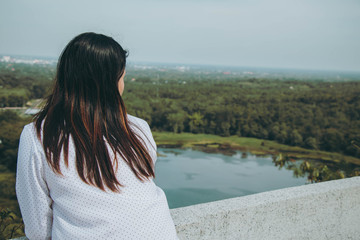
x=295 y=138
x=332 y=140
x=311 y=143
x=176 y=121
x=196 y=122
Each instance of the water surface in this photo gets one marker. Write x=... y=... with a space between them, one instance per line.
x=190 y=177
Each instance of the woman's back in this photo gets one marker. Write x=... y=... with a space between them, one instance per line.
x=82 y=211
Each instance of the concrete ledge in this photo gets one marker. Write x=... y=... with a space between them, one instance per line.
x=329 y=210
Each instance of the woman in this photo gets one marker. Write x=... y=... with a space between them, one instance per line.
x=85 y=168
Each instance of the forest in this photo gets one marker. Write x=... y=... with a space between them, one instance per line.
x=315 y=114
x=320 y=115
x=310 y=114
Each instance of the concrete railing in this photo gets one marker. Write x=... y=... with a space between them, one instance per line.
x=329 y=210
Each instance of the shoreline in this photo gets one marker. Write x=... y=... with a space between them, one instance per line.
x=229 y=145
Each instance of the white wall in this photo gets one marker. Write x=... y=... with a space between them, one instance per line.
x=329 y=210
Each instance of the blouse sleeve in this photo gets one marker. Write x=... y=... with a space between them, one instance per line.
x=31 y=188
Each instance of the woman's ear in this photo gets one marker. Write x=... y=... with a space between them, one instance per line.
x=121 y=84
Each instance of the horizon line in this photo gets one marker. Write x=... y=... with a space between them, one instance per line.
x=204 y=64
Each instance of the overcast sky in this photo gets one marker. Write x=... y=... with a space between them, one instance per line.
x=307 y=34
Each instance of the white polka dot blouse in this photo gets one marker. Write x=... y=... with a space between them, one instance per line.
x=57 y=206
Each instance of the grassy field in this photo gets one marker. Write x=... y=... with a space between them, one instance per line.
x=213 y=143
x=13 y=91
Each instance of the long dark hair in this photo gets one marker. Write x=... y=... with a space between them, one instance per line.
x=85 y=104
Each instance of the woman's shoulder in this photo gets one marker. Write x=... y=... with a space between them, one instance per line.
x=142 y=128
x=29 y=130
x=29 y=134
x=139 y=123
x=136 y=120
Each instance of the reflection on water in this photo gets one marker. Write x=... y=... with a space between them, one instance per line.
x=317 y=171
x=190 y=177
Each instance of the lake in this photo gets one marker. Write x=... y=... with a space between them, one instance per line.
x=190 y=177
